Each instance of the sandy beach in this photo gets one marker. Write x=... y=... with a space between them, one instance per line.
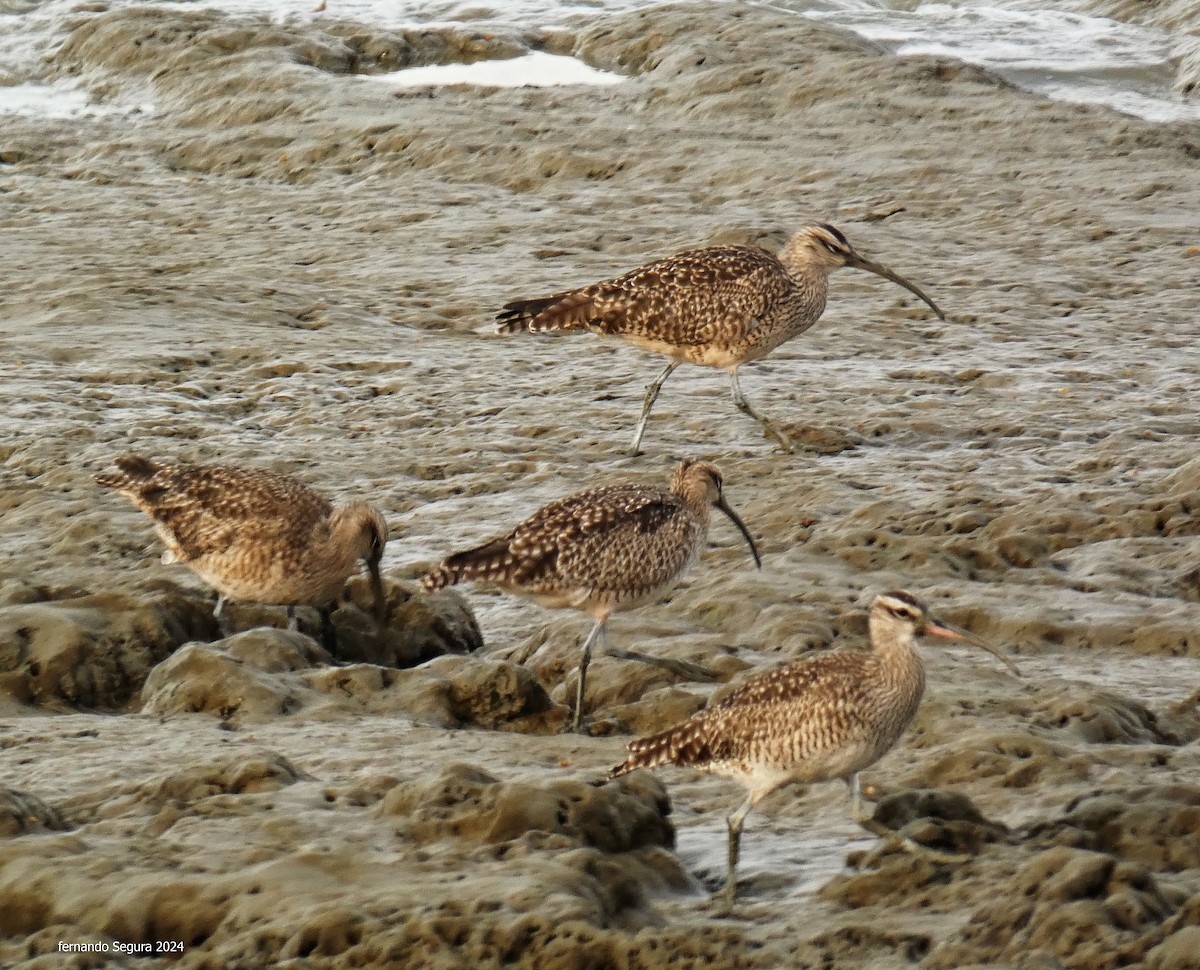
x=296 y=266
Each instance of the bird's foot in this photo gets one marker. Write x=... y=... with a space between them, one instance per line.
x=893 y=839
x=724 y=899
x=681 y=668
x=769 y=430
x=784 y=442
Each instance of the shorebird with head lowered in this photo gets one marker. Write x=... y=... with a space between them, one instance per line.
x=817 y=719
x=601 y=551
x=254 y=535
x=721 y=306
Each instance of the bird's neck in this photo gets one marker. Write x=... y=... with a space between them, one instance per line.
x=694 y=493
x=897 y=651
x=803 y=262
x=808 y=272
x=345 y=530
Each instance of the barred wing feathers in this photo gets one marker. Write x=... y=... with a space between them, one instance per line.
x=689 y=299
x=207 y=509
x=573 y=541
x=806 y=706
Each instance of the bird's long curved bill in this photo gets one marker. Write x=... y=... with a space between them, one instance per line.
x=380 y=599
x=861 y=262
x=939 y=629
x=737 y=520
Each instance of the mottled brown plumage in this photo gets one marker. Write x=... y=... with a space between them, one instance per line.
x=817 y=719
x=254 y=535
x=722 y=306
x=602 y=551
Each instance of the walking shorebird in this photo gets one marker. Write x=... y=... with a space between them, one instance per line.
x=254 y=535
x=603 y=551
x=722 y=306
x=814 y=720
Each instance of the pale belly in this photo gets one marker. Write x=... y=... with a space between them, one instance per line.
x=764 y=776
x=275 y=585
x=595 y=604
x=708 y=355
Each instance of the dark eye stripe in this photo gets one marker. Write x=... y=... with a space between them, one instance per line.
x=836 y=234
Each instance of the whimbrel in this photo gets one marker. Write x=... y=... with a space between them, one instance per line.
x=817 y=719
x=603 y=551
x=254 y=535
x=722 y=306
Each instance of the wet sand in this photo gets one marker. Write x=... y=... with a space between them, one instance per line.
x=295 y=266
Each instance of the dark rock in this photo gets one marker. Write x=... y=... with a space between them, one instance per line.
x=464 y=802
x=93 y=651
x=1156 y=826
x=497 y=694
x=419 y=626
x=274 y=651
x=947 y=821
x=206 y=679
x=21 y=813
x=657 y=710
x=1077 y=906
x=1179 y=951
x=1103 y=717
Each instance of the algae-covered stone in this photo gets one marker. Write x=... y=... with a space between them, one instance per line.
x=21 y=812
x=205 y=679
x=92 y=651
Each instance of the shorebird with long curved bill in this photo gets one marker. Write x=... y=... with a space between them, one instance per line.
x=722 y=306
x=602 y=551
x=817 y=719
x=256 y=536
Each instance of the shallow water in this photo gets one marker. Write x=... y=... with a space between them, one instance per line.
x=1066 y=50
x=536 y=69
x=1058 y=52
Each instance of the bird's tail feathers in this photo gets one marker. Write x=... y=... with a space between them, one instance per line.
x=681 y=745
x=560 y=313
x=132 y=470
x=487 y=562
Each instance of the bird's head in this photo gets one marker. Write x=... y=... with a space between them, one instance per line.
x=368 y=532
x=700 y=482
x=819 y=249
x=898 y=614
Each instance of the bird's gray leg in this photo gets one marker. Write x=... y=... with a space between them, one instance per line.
x=585 y=658
x=735 y=821
x=222 y=619
x=293 y=621
x=867 y=821
x=860 y=814
x=856 y=805
x=739 y=400
x=651 y=396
